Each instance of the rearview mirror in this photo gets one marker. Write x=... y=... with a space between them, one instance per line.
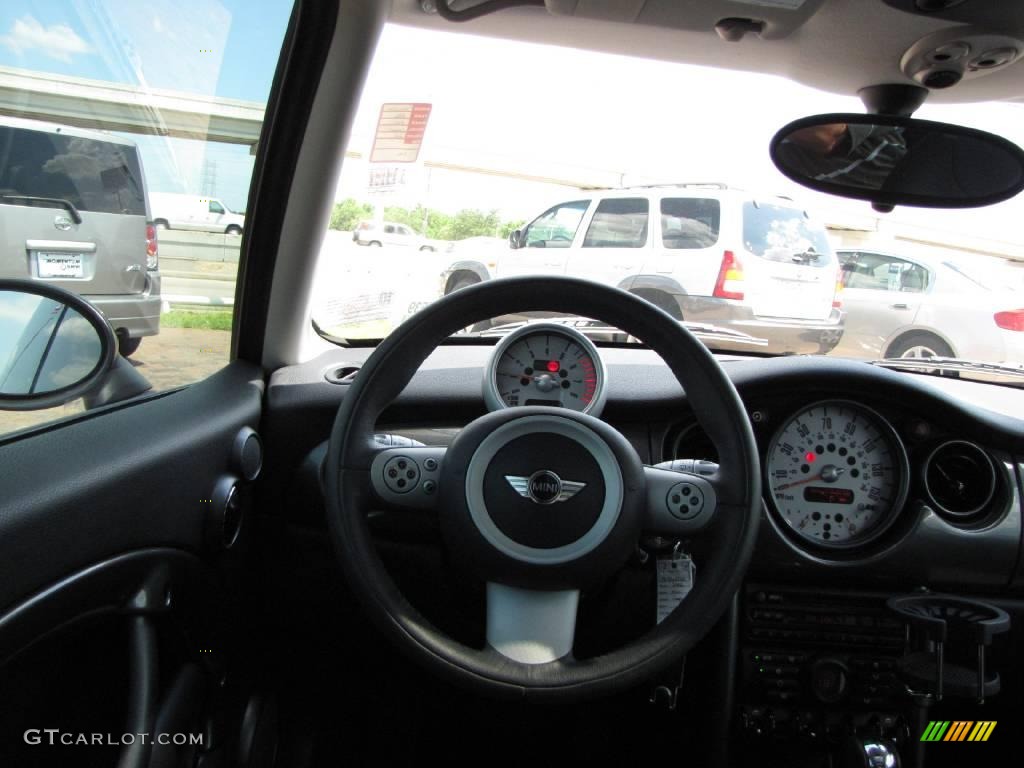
x=515 y=239
x=892 y=160
x=56 y=347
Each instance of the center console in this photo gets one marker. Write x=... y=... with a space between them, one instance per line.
x=817 y=668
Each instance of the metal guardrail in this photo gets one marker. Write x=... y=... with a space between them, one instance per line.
x=181 y=246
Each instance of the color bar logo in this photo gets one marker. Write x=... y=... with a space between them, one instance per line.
x=958 y=730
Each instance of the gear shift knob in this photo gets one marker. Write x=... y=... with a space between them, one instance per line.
x=871 y=753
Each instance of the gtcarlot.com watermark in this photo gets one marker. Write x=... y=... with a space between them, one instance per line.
x=54 y=736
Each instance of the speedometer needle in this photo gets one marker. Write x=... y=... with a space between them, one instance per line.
x=828 y=474
x=798 y=482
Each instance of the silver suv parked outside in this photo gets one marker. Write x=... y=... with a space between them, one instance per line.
x=704 y=253
x=74 y=212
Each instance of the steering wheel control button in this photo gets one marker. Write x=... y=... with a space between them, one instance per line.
x=401 y=474
x=430 y=465
x=685 y=500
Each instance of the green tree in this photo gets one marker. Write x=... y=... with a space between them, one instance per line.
x=348 y=213
x=404 y=216
x=508 y=226
x=474 y=223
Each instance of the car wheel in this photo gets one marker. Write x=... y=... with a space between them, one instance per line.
x=233 y=230
x=375 y=243
x=662 y=301
x=161 y=224
x=427 y=248
x=918 y=346
x=462 y=282
x=126 y=345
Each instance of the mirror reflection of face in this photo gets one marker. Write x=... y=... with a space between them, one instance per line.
x=823 y=139
x=44 y=345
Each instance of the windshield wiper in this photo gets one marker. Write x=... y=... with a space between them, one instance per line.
x=603 y=332
x=59 y=202
x=806 y=257
x=954 y=364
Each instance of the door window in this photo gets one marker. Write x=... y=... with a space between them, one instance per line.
x=878 y=272
x=619 y=223
x=689 y=222
x=556 y=227
x=143 y=187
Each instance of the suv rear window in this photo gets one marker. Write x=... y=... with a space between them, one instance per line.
x=618 y=223
x=97 y=176
x=778 y=233
x=689 y=222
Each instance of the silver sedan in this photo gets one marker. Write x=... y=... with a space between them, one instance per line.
x=913 y=306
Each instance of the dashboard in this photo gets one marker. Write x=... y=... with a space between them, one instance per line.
x=875 y=482
x=870 y=476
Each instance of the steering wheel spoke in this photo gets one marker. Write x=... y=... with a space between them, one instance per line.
x=408 y=477
x=531 y=626
x=678 y=503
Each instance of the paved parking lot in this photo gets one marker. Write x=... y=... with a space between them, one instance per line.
x=174 y=357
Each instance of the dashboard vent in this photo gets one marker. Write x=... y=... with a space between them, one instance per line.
x=960 y=480
x=341 y=374
x=690 y=442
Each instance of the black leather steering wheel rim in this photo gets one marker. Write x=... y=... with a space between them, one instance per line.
x=715 y=403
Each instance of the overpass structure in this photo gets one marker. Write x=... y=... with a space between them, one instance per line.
x=103 y=105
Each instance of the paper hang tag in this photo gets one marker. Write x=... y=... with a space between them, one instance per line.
x=675 y=580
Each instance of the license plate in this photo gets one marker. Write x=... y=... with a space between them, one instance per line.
x=68 y=265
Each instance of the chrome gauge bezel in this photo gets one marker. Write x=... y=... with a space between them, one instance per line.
x=492 y=395
x=903 y=480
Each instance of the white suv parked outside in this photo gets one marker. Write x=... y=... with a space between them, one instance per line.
x=716 y=255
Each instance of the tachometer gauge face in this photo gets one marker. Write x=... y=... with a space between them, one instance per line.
x=545 y=364
x=837 y=474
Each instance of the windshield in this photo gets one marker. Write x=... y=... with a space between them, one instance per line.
x=456 y=176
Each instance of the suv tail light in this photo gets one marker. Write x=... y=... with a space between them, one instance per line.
x=1011 y=319
x=729 y=284
x=152 y=255
x=837 y=302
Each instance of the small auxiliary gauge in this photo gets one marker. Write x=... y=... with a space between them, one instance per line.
x=546 y=364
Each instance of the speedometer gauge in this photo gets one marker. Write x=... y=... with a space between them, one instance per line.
x=837 y=474
x=545 y=364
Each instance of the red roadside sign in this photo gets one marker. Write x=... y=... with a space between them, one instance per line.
x=400 y=131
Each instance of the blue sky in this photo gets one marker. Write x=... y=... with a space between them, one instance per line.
x=226 y=48
x=223 y=48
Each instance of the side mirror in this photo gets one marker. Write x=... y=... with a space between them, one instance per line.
x=56 y=347
x=515 y=239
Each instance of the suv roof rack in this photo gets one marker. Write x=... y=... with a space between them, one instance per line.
x=686 y=184
x=664 y=185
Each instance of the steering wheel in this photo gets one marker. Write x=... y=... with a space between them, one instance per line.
x=588 y=501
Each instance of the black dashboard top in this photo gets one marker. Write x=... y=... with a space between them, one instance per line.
x=647 y=404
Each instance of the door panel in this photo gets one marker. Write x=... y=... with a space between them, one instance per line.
x=119 y=479
x=110 y=538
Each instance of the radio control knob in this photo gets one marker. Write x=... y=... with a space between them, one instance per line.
x=829 y=680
